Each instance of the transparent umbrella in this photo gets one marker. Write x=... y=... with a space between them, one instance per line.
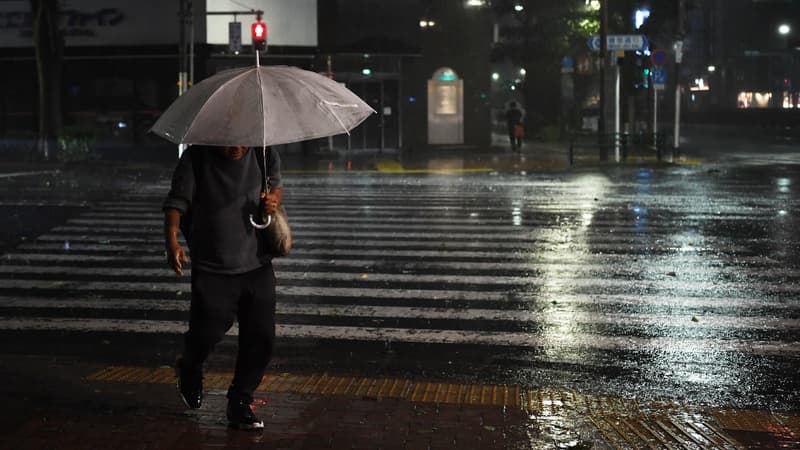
x=260 y=106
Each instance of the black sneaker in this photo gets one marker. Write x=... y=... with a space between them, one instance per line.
x=241 y=416
x=190 y=384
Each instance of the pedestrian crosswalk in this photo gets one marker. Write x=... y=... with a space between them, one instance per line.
x=576 y=264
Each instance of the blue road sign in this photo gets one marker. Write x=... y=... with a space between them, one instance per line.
x=659 y=75
x=620 y=42
x=594 y=43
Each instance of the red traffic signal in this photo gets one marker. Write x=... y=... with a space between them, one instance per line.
x=259 y=33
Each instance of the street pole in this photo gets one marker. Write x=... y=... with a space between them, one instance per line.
x=182 y=78
x=677 y=135
x=190 y=17
x=655 y=116
x=601 y=120
x=678 y=47
x=617 y=108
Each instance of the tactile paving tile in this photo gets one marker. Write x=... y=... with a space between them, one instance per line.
x=324 y=384
x=662 y=431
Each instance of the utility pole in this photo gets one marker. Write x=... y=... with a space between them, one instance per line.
x=601 y=119
x=678 y=47
x=182 y=47
x=190 y=19
x=182 y=77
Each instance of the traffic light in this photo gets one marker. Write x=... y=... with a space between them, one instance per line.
x=259 y=33
x=646 y=77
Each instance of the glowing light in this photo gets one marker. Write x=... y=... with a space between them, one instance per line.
x=518 y=7
x=640 y=16
x=495 y=76
x=784 y=29
x=523 y=72
x=712 y=68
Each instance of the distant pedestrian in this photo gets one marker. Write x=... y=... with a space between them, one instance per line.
x=516 y=130
x=232 y=276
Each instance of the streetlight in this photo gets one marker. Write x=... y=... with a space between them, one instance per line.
x=495 y=76
x=784 y=29
x=711 y=69
x=518 y=7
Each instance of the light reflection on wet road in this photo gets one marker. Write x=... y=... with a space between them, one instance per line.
x=648 y=283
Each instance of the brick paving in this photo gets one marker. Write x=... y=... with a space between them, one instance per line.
x=54 y=405
x=292 y=421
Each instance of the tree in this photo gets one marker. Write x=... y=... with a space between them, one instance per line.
x=48 y=41
x=538 y=34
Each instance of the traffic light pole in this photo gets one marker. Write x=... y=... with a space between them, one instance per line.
x=601 y=120
x=617 y=107
x=655 y=115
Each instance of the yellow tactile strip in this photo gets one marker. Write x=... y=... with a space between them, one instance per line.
x=405 y=389
x=555 y=402
x=625 y=424
x=661 y=431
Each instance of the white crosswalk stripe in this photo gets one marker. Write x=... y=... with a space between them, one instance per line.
x=509 y=268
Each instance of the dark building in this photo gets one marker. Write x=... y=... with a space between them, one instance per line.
x=743 y=54
x=122 y=61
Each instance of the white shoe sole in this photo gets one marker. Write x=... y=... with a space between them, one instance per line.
x=247 y=426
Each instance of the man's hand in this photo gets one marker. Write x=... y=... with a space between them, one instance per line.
x=272 y=200
x=176 y=256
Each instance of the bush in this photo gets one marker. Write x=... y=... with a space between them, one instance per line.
x=75 y=145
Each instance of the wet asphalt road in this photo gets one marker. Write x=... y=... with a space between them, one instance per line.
x=647 y=282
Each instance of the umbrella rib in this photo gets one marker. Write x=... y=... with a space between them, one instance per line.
x=263 y=113
x=208 y=101
x=324 y=102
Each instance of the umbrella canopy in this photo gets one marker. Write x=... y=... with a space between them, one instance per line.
x=258 y=106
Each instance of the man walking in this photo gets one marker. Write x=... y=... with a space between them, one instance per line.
x=232 y=277
x=514 y=117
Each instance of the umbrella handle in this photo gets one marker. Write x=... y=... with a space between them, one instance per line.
x=260 y=226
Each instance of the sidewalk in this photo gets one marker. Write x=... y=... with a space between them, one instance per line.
x=432 y=160
x=95 y=407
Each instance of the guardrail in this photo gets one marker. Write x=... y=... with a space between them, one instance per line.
x=606 y=143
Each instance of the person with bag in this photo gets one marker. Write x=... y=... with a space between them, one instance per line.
x=232 y=276
x=516 y=131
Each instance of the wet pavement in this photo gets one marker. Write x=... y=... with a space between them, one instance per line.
x=500 y=301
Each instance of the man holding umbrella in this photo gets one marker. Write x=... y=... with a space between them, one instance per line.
x=229 y=175
x=232 y=276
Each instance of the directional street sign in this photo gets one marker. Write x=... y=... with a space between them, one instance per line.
x=235 y=37
x=620 y=42
x=659 y=77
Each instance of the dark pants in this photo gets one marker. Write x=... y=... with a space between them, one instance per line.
x=219 y=299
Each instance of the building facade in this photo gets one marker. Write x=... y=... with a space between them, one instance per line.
x=125 y=62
